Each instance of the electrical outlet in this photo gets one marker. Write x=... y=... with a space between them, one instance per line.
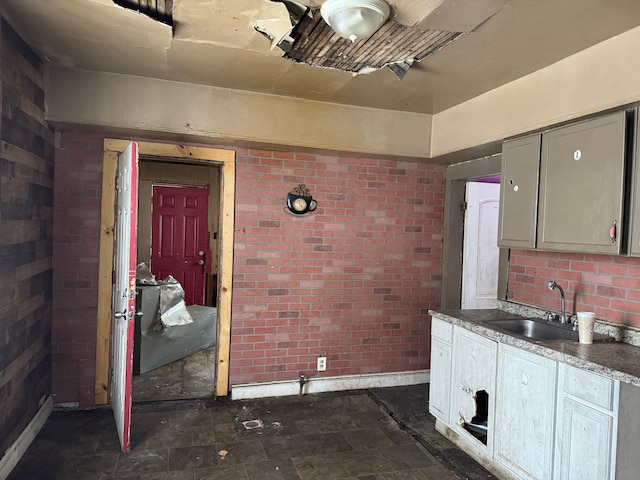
x=322 y=364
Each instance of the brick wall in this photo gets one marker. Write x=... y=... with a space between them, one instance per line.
x=26 y=179
x=353 y=281
x=77 y=193
x=608 y=285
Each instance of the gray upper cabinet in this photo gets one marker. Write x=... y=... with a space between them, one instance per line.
x=519 y=192
x=634 y=227
x=580 y=203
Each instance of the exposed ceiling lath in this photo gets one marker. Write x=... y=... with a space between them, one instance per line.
x=160 y=10
x=394 y=45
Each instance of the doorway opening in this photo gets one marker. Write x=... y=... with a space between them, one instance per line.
x=457 y=176
x=218 y=290
x=481 y=254
x=178 y=218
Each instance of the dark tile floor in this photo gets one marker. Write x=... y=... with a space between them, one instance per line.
x=379 y=434
x=190 y=377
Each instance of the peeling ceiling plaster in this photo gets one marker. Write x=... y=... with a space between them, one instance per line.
x=215 y=42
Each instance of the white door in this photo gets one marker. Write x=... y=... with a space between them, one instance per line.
x=124 y=291
x=481 y=252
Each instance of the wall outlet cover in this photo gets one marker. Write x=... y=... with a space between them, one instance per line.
x=322 y=364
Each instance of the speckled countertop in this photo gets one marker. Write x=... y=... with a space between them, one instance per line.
x=614 y=359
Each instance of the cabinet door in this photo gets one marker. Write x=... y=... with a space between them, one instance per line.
x=634 y=241
x=519 y=192
x=525 y=413
x=584 y=442
x=473 y=386
x=440 y=379
x=581 y=186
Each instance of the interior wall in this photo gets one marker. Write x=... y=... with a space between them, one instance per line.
x=608 y=285
x=353 y=281
x=26 y=229
x=129 y=105
x=601 y=77
x=76 y=243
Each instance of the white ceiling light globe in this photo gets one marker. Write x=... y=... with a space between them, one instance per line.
x=355 y=19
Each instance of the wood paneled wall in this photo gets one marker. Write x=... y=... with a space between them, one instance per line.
x=26 y=212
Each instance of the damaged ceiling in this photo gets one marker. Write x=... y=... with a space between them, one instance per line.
x=394 y=45
x=444 y=51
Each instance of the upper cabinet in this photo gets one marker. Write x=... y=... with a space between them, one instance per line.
x=634 y=227
x=519 y=192
x=564 y=189
x=582 y=171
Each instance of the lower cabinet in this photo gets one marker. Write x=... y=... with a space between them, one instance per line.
x=440 y=374
x=473 y=388
x=528 y=417
x=597 y=427
x=584 y=442
x=525 y=413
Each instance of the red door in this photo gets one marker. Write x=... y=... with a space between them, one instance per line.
x=179 y=239
x=124 y=291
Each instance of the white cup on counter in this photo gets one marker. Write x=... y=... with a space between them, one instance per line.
x=586 y=321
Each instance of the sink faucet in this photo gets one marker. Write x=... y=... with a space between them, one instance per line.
x=553 y=285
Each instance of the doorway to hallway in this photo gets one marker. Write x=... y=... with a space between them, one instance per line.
x=480 y=252
x=178 y=223
x=224 y=163
x=457 y=176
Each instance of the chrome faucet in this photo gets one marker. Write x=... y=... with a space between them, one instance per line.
x=563 y=315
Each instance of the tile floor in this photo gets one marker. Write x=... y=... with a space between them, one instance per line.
x=190 y=377
x=379 y=434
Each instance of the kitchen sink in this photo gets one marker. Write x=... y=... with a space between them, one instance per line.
x=538 y=329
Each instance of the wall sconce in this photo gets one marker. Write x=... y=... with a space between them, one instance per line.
x=299 y=200
x=355 y=19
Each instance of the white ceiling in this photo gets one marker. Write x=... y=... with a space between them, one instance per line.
x=214 y=42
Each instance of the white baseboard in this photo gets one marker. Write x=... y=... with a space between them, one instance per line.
x=327 y=384
x=15 y=452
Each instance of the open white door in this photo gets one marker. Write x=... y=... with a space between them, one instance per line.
x=124 y=291
x=481 y=253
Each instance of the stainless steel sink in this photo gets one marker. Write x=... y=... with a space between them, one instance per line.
x=537 y=329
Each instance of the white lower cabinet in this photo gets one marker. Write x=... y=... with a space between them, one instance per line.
x=584 y=442
x=543 y=420
x=598 y=427
x=525 y=413
x=440 y=375
x=473 y=388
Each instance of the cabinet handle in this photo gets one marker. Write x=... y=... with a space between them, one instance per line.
x=613 y=232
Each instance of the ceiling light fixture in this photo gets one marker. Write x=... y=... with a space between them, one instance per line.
x=355 y=19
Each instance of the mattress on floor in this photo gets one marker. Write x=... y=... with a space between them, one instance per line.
x=155 y=347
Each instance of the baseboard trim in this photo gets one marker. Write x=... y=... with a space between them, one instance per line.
x=15 y=452
x=327 y=384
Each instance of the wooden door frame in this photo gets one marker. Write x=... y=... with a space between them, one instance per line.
x=199 y=155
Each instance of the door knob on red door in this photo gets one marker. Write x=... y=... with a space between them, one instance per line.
x=200 y=262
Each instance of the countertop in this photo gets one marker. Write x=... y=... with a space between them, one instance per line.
x=618 y=360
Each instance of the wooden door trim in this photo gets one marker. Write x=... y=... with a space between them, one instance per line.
x=218 y=157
